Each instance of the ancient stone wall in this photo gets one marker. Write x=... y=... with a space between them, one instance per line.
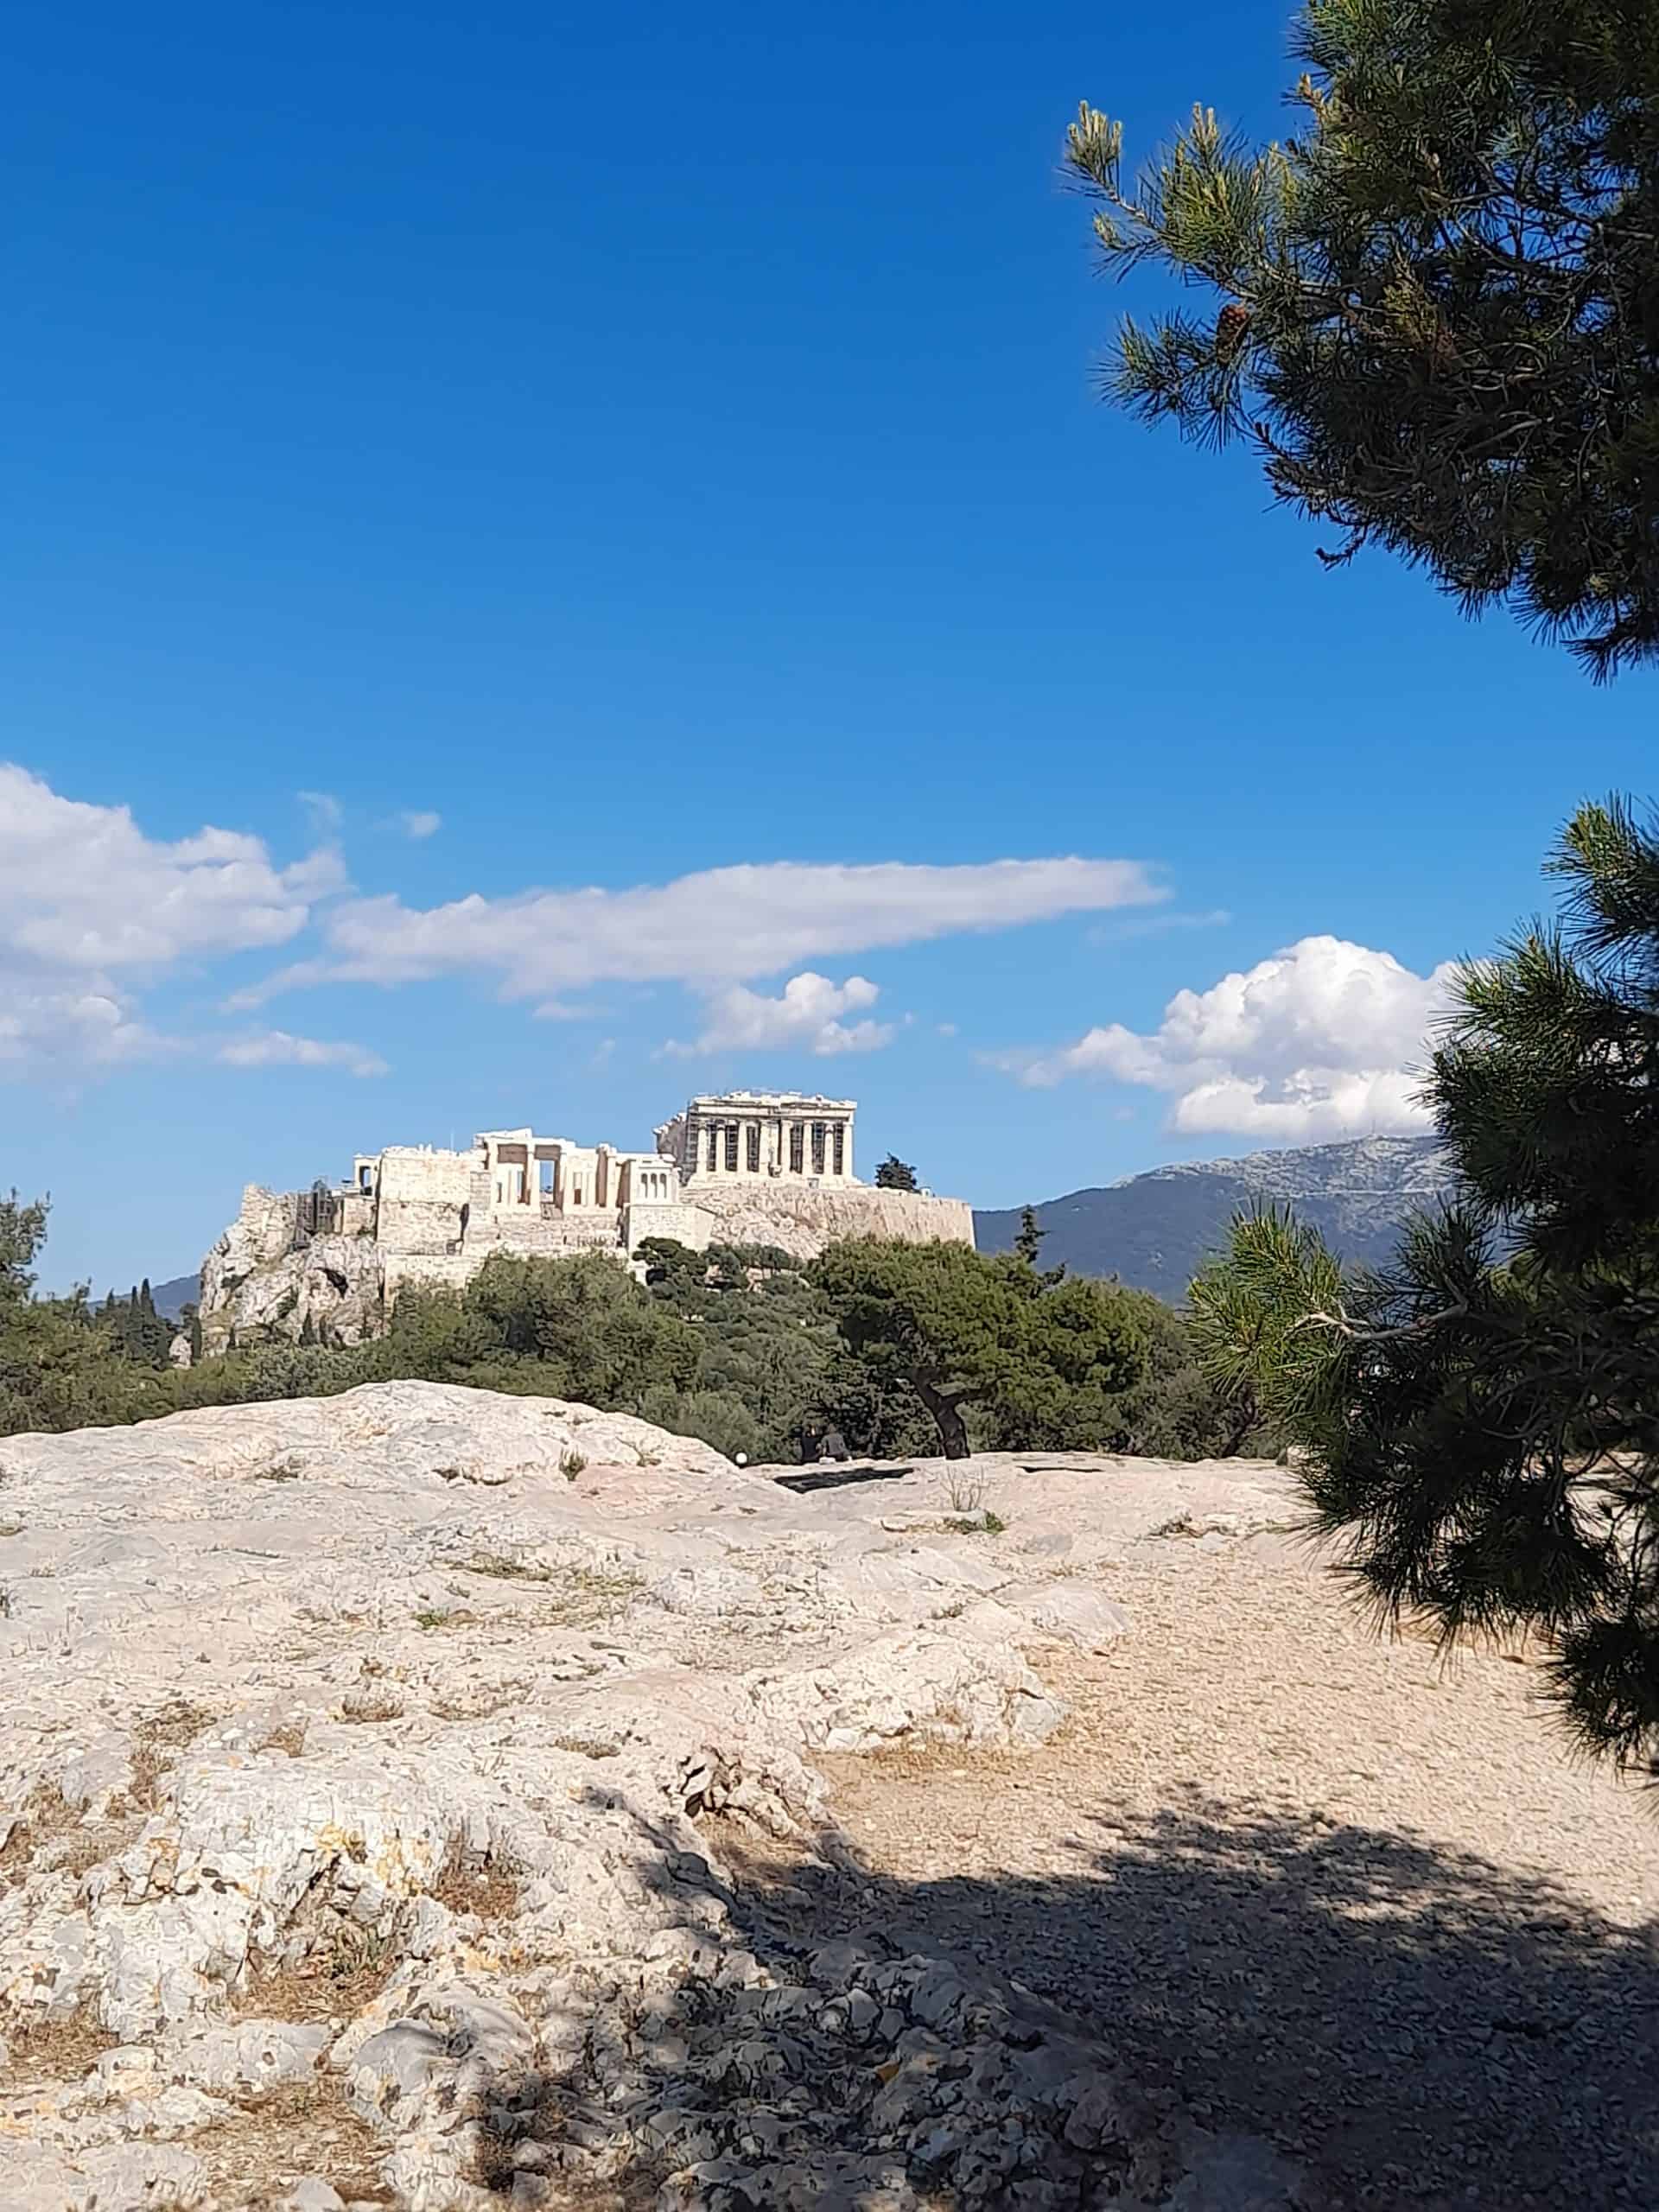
x=802 y=1220
x=420 y=1198
x=684 y=1224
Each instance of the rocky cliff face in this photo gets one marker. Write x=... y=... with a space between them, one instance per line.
x=255 y=1289
x=380 y=1758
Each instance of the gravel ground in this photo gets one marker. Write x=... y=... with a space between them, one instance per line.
x=1324 y=1887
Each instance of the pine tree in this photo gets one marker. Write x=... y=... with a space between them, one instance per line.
x=895 y=1174
x=1439 y=301
x=1043 y=1364
x=1028 y=1244
x=1482 y=1420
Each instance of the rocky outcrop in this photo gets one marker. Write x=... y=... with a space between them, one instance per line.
x=260 y=1284
x=389 y=1749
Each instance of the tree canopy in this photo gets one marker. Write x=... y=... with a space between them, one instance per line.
x=59 y=1365
x=1439 y=318
x=895 y=1174
x=1481 y=1421
x=1042 y=1360
x=739 y=1346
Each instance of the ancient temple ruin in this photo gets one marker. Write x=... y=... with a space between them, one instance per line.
x=742 y=1167
x=777 y=1135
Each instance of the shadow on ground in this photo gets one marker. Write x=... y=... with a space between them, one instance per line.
x=838 y=1476
x=1406 y=2025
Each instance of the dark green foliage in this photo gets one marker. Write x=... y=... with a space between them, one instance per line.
x=59 y=1366
x=1482 y=1420
x=1174 y=1410
x=895 y=1174
x=1439 y=315
x=1028 y=1244
x=136 y=1331
x=738 y=1345
x=1038 y=1360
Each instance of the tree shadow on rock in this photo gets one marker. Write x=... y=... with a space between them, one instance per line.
x=1219 y=1998
x=839 y=1477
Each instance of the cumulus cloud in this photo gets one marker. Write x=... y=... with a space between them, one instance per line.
x=805 y=1017
x=418 y=822
x=727 y=925
x=82 y=1029
x=279 y=1048
x=91 y=910
x=1324 y=1040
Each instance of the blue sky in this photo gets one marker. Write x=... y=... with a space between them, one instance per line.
x=657 y=447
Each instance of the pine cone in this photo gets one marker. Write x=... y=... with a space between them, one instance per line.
x=1230 y=326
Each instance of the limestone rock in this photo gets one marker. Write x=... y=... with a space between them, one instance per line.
x=331 y=1291
x=249 y=2055
x=420 y=1701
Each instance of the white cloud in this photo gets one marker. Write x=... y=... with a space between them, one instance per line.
x=273 y=1048
x=70 y=1030
x=91 y=910
x=418 y=822
x=806 y=1017
x=720 y=925
x=1325 y=1040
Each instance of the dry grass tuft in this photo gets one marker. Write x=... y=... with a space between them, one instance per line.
x=492 y=1889
x=54 y=2050
x=303 y=2128
x=591 y=1595
x=346 y=1971
x=580 y=1596
x=157 y=1742
x=50 y=1834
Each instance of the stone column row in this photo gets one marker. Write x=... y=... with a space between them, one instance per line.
x=769 y=1141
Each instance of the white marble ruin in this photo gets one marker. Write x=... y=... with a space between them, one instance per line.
x=747 y=1166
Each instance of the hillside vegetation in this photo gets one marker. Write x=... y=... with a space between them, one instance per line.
x=751 y=1351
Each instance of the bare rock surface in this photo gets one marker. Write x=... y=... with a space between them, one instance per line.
x=418 y=1798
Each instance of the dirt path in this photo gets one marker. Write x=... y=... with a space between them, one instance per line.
x=1322 y=1885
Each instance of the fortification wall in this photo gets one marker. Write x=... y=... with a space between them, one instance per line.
x=802 y=1219
x=684 y=1223
x=420 y=1198
x=544 y=1234
x=429 y=1270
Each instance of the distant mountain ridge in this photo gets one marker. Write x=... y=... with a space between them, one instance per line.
x=1155 y=1230
x=172 y=1297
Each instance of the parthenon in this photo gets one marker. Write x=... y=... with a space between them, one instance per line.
x=754 y=1134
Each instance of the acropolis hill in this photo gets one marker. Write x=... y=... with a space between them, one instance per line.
x=743 y=1166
